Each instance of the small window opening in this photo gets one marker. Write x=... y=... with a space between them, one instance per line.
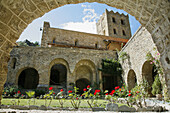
x=96 y=45
x=114 y=31
x=123 y=33
x=13 y=63
x=113 y=20
x=76 y=43
x=122 y=22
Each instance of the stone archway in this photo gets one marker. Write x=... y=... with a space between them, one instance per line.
x=148 y=74
x=81 y=84
x=85 y=69
x=58 y=75
x=16 y=15
x=131 y=79
x=28 y=78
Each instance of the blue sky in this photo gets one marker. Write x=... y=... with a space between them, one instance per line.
x=78 y=17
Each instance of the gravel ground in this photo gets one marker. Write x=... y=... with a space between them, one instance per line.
x=48 y=111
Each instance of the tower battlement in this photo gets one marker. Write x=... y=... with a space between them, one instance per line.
x=114 y=25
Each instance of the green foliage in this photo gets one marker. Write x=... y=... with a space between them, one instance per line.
x=10 y=91
x=156 y=86
x=30 y=94
x=123 y=56
x=112 y=67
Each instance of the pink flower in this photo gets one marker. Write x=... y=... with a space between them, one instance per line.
x=158 y=54
x=151 y=62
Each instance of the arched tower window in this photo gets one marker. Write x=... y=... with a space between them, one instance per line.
x=114 y=31
x=122 y=22
x=113 y=20
x=123 y=32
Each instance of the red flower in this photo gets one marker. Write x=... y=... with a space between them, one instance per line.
x=117 y=87
x=88 y=86
x=129 y=91
x=53 y=93
x=84 y=89
x=111 y=94
x=50 y=88
x=137 y=91
x=77 y=98
x=97 y=91
x=113 y=91
x=69 y=91
x=19 y=92
x=106 y=94
x=129 y=95
x=61 y=90
x=120 y=89
x=15 y=92
x=22 y=95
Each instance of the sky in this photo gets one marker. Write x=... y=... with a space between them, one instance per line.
x=78 y=17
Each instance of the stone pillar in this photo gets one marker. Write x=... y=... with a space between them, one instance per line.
x=3 y=72
x=100 y=80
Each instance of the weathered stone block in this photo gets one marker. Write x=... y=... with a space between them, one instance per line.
x=112 y=107
x=5 y=14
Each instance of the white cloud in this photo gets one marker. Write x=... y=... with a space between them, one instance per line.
x=88 y=23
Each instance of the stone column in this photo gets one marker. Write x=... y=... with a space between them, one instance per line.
x=3 y=72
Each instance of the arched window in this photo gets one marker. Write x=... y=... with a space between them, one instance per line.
x=113 y=20
x=123 y=32
x=13 y=63
x=122 y=22
x=114 y=31
x=76 y=42
x=96 y=45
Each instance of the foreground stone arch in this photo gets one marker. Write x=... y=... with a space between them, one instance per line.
x=16 y=15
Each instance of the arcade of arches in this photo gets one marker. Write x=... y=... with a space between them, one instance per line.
x=17 y=15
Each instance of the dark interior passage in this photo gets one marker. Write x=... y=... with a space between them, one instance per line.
x=58 y=75
x=28 y=79
x=81 y=84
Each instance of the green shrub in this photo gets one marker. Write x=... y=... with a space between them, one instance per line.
x=156 y=86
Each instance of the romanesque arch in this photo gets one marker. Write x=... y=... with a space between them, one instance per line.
x=148 y=74
x=131 y=79
x=28 y=78
x=85 y=69
x=16 y=15
x=58 y=75
x=58 y=72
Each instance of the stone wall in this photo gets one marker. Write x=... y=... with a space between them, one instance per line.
x=136 y=65
x=43 y=58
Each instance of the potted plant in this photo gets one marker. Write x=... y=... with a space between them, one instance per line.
x=157 y=88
